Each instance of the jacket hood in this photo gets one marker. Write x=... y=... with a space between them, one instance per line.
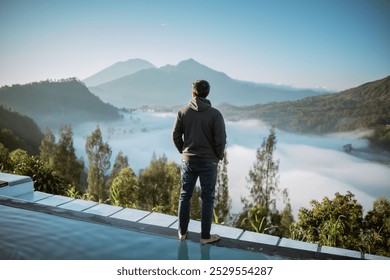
x=199 y=104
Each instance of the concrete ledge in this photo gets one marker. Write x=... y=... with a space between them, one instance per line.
x=103 y=210
x=260 y=238
x=34 y=196
x=341 y=252
x=133 y=215
x=15 y=185
x=55 y=200
x=159 y=219
x=296 y=244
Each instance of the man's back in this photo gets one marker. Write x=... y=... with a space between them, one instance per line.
x=199 y=131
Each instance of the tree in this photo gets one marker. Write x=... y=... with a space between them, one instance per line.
x=121 y=161
x=260 y=212
x=99 y=155
x=5 y=161
x=376 y=235
x=337 y=222
x=160 y=186
x=61 y=157
x=222 y=199
x=45 y=180
x=124 y=189
x=47 y=148
x=66 y=162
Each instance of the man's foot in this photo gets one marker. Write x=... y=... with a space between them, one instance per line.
x=213 y=238
x=182 y=236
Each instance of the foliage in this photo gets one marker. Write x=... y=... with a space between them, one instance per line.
x=61 y=157
x=375 y=238
x=5 y=160
x=160 y=185
x=43 y=177
x=121 y=161
x=19 y=132
x=99 y=155
x=340 y=223
x=124 y=189
x=334 y=222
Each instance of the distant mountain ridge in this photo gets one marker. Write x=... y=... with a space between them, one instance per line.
x=171 y=85
x=118 y=70
x=52 y=104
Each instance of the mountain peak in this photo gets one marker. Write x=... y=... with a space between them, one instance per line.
x=190 y=63
x=117 y=71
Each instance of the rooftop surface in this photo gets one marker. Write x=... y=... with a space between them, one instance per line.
x=18 y=192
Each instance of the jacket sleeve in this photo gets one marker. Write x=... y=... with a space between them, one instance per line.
x=177 y=134
x=220 y=136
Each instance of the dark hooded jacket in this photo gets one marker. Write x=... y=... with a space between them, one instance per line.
x=199 y=131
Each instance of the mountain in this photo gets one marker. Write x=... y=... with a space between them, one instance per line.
x=171 y=85
x=52 y=104
x=364 y=107
x=118 y=70
x=18 y=131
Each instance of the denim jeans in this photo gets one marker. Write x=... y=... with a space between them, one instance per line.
x=207 y=174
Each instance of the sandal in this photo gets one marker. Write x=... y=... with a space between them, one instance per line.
x=213 y=238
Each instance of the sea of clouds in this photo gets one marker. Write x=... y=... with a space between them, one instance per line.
x=310 y=167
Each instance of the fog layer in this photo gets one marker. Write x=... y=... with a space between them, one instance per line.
x=311 y=167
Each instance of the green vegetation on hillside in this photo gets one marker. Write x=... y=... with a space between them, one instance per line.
x=17 y=131
x=54 y=103
x=365 y=107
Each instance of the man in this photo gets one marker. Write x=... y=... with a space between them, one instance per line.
x=199 y=135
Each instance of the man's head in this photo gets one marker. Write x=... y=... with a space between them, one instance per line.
x=201 y=88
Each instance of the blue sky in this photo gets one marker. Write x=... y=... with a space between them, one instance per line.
x=334 y=44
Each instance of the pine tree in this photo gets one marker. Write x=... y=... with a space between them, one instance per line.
x=61 y=157
x=99 y=155
x=121 y=161
x=47 y=148
x=260 y=212
x=65 y=161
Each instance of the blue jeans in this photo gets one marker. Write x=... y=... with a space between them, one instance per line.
x=207 y=174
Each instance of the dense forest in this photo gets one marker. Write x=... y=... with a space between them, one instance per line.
x=18 y=131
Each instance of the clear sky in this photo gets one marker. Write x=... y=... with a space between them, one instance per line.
x=335 y=44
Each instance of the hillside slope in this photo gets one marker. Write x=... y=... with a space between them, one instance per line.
x=17 y=131
x=56 y=103
x=363 y=107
